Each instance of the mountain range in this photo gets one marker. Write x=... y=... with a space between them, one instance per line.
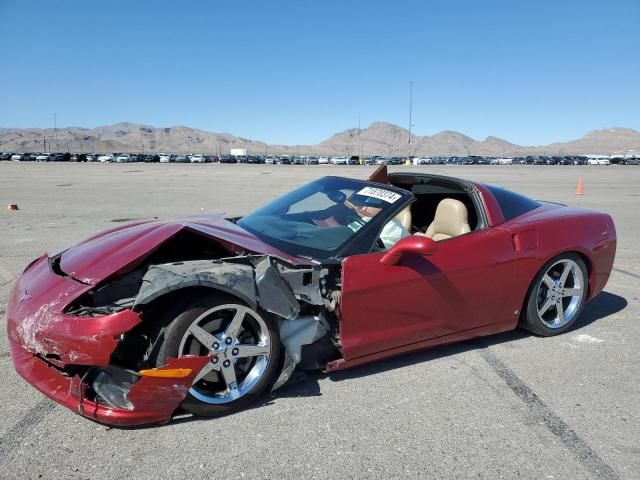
x=378 y=139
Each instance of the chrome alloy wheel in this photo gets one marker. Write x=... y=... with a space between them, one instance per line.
x=240 y=339
x=560 y=293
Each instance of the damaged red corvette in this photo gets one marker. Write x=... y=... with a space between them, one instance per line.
x=207 y=313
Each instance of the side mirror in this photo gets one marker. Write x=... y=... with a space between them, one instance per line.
x=413 y=244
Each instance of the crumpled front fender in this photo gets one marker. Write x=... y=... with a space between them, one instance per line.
x=36 y=320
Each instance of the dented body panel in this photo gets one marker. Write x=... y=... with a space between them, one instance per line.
x=100 y=256
x=37 y=321
x=50 y=347
x=44 y=341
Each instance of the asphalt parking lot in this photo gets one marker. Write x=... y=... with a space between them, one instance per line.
x=508 y=406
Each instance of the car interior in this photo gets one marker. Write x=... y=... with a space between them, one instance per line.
x=443 y=208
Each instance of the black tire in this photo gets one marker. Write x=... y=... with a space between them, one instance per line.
x=531 y=320
x=175 y=323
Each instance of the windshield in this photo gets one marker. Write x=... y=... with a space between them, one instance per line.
x=315 y=220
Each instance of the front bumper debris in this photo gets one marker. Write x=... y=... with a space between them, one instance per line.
x=151 y=400
x=61 y=355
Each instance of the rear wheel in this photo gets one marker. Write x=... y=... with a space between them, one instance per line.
x=246 y=345
x=557 y=296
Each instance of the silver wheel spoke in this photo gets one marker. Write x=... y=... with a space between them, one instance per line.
x=571 y=292
x=565 y=273
x=209 y=367
x=229 y=375
x=546 y=306
x=234 y=327
x=548 y=281
x=202 y=336
x=251 y=350
x=560 y=311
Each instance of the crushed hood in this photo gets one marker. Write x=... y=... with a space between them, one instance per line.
x=101 y=255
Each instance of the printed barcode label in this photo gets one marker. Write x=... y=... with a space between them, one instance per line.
x=380 y=194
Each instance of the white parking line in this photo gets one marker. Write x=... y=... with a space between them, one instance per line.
x=584 y=338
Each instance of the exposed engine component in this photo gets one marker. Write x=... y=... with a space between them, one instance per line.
x=301 y=297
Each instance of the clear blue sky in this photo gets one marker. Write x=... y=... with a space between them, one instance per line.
x=297 y=71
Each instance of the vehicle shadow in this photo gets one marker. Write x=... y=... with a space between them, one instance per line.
x=307 y=384
x=602 y=306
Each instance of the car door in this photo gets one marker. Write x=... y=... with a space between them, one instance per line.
x=465 y=284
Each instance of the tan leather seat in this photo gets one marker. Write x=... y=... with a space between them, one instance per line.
x=404 y=217
x=451 y=220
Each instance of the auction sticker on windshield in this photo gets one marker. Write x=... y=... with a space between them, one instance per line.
x=380 y=194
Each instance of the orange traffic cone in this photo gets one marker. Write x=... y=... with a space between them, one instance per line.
x=580 y=187
x=12 y=206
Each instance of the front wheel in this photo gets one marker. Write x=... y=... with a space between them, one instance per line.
x=247 y=348
x=557 y=296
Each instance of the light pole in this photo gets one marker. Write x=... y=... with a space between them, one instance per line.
x=410 y=117
x=55 y=130
x=359 y=141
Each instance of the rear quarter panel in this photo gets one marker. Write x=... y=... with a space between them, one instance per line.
x=551 y=230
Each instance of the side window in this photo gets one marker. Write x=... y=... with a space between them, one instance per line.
x=512 y=204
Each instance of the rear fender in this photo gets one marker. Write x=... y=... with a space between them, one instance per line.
x=590 y=234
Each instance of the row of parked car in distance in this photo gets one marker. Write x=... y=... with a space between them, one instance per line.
x=531 y=160
x=318 y=160
x=105 y=157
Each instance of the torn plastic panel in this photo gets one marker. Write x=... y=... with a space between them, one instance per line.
x=256 y=282
x=124 y=389
x=302 y=331
x=275 y=296
x=235 y=279
x=294 y=334
x=112 y=384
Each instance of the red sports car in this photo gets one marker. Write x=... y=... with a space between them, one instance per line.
x=207 y=313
